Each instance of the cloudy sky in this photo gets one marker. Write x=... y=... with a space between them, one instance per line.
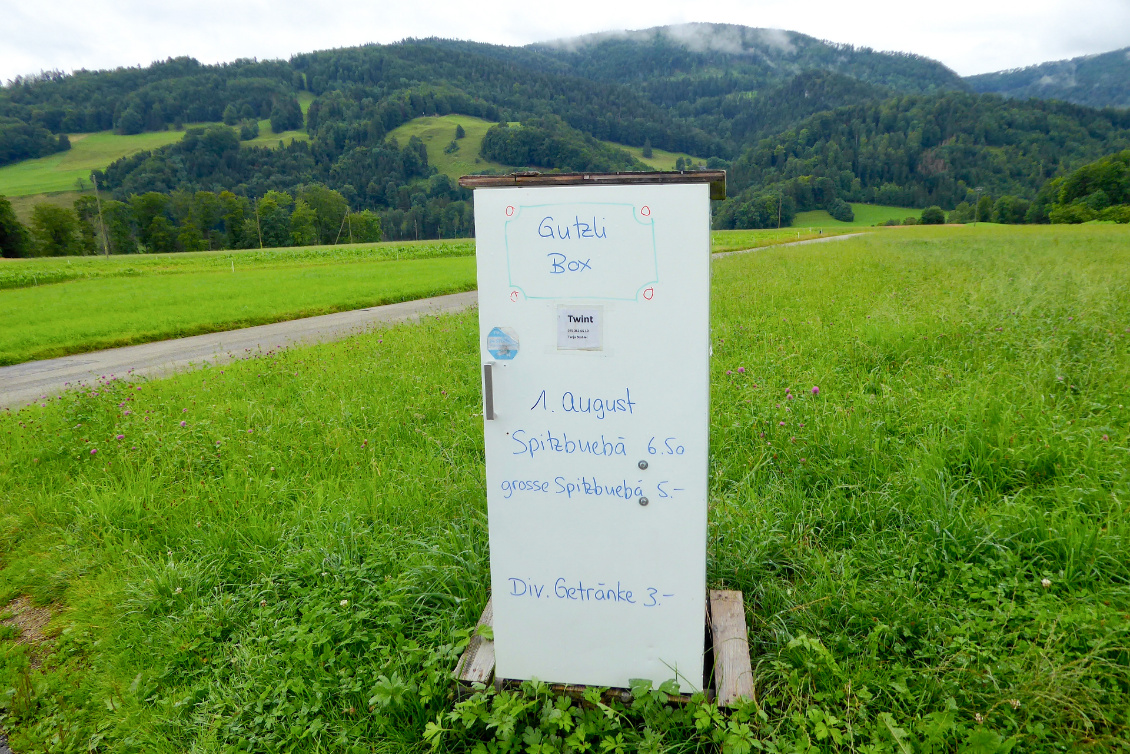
x=971 y=36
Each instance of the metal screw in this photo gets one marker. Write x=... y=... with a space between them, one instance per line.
x=643 y=501
x=642 y=465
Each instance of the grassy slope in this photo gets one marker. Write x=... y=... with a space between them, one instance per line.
x=437 y=133
x=23 y=205
x=865 y=215
x=60 y=172
x=890 y=534
x=660 y=159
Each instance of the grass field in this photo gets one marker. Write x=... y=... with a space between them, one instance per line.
x=660 y=159
x=21 y=273
x=62 y=171
x=23 y=205
x=735 y=240
x=438 y=132
x=258 y=286
x=286 y=554
x=865 y=215
x=81 y=315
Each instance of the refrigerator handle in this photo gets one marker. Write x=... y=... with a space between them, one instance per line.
x=488 y=391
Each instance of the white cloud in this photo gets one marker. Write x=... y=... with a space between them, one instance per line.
x=971 y=36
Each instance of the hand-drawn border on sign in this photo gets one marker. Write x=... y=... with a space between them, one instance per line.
x=635 y=215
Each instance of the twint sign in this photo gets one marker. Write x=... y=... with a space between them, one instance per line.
x=594 y=339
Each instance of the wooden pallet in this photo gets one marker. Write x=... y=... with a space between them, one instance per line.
x=730 y=677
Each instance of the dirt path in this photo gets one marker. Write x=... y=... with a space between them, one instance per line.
x=825 y=239
x=26 y=383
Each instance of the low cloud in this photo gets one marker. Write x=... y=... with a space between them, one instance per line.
x=696 y=37
x=971 y=36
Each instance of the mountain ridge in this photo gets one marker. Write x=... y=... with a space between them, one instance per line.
x=1096 y=80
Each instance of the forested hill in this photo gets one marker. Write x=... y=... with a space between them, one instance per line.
x=916 y=151
x=1094 y=80
x=788 y=114
x=687 y=62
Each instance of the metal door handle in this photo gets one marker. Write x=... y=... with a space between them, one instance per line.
x=488 y=392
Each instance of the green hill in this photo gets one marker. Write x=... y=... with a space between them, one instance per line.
x=438 y=133
x=1092 y=80
x=70 y=170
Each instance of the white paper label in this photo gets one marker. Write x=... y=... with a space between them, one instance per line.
x=579 y=329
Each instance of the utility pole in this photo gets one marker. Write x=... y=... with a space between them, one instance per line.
x=779 y=200
x=342 y=227
x=258 y=228
x=101 y=223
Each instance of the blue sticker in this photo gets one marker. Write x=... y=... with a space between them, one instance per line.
x=502 y=343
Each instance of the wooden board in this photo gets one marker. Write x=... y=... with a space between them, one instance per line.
x=477 y=663
x=716 y=179
x=733 y=674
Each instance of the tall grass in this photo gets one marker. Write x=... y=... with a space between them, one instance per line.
x=23 y=273
x=85 y=315
x=738 y=240
x=933 y=545
x=865 y=215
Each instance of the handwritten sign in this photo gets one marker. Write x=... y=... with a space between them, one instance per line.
x=597 y=455
x=592 y=250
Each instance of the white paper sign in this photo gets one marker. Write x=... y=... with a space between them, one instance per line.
x=579 y=329
x=596 y=461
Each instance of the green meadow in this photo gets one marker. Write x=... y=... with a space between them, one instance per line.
x=918 y=479
x=70 y=171
x=63 y=170
x=46 y=321
x=737 y=240
x=21 y=273
x=865 y=215
x=660 y=159
x=55 y=306
x=439 y=131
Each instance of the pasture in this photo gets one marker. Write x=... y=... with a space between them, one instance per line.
x=54 y=306
x=70 y=171
x=287 y=553
x=85 y=315
x=865 y=215
x=736 y=240
x=62 y=171
x=439 y=131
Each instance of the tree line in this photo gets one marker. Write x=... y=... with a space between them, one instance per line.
x=1099 y=190
x=919 y=151
x=187 y=221
x=816 y=133
x=550 y=143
